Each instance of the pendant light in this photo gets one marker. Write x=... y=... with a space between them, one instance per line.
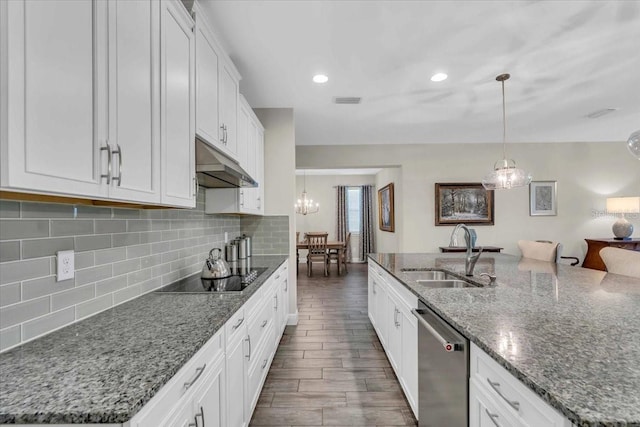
x=505 y=174
x=633 y=144
x=305 y=205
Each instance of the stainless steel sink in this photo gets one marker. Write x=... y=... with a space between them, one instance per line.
x=431 y=274
x=445 y=284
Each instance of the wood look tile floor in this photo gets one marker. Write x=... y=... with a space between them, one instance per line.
x=330 y=369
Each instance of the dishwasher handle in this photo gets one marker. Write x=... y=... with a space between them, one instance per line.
x=448 y=344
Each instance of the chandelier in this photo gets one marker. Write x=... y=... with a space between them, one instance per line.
x=505 y=174
x=305 y=205
x=633 y=144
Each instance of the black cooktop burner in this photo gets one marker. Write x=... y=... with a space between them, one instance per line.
x=196 y=284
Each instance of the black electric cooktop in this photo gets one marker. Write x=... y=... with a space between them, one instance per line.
x=234 y=283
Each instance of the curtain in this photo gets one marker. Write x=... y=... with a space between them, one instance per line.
x=367 y=230
x=342 y=217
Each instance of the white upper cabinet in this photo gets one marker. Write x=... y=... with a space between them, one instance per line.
x=134 y=99
x=88 y=85
x=216 y=91
x=177 y=76
x=51 y=138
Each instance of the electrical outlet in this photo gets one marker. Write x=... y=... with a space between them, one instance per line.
x=66 y=265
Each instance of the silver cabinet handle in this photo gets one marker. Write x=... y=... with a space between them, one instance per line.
x=119 y=153
x=222 y=129
x=237 y=325
x=276 y=307
x=248 y=339
x=277 y=277
x=395 y=316
x=374 y=287
x=493 y=417
x=264 y=364
x=286 y=285
x=199 y=372
x=108 y=174
x=259 y=203
x=513 y=403
x=241 y=198
x=201 y=416
x=226 y=136
x=264 y=323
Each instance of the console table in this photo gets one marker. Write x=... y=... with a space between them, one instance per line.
x=464 y=249
x=592 y=258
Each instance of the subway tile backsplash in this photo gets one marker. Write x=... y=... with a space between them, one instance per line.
x=119 y=255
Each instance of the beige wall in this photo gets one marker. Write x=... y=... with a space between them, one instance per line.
x=321 y=189
x=586 y=174
x=279 y=180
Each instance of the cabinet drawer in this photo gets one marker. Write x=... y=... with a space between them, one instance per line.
x=508 y=392
x=171 y=396
x=405 y=295
x=234 y=325
x=484 y=411
x=260 y=323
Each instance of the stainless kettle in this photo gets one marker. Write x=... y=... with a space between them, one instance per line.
x=215 y=267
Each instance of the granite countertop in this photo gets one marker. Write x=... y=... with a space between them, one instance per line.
x=570 y=334
x=105 y=368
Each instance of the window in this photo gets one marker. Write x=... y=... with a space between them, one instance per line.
x=354 y=195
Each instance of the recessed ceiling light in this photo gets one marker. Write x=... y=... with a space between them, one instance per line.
x=438 y=77
x=320 y=78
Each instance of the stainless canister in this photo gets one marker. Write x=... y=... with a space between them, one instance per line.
x=248 y=240
x=231 y=252
x=242 y=248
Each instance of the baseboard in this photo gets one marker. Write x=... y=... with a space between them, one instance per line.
x=292 y=319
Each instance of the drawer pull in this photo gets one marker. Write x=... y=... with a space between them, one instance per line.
x=264 y=323
x=237 y=325
x=199 y=372
x=248 y=340
x=264 y=364
x=493 y=417
x=201 y=416
x=513 y=403
x=277 y=277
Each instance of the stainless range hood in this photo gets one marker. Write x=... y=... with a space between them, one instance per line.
x=216 y=170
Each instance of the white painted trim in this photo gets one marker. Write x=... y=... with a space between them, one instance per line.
x=292 y=319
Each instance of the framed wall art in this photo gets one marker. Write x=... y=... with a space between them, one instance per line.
x=542 y=198
x=463 y=203
x=386 y=219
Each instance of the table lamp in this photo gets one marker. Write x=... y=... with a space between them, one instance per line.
x=622 y=229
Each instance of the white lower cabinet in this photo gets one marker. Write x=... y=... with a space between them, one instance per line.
x=390 y=305
x=498 y=398
x=179 y=401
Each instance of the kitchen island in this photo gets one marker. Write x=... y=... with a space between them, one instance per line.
x=572 y=335
x=104 y=369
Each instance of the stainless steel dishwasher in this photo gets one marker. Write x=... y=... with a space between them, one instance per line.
x=443 y=372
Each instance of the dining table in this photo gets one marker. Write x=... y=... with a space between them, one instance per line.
x=331 y=244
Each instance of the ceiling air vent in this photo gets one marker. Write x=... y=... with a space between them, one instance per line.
x=347 y=100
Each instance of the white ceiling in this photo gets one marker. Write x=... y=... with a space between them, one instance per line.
x=566 y=60
x=357 y=171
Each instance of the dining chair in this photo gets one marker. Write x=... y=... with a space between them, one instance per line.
x=544 y=250
x=621 y=261
x=317 y=245
x=340 y=255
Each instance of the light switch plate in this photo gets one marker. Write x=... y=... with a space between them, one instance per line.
x=65 y=265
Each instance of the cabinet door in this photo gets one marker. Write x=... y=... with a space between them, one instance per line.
x=207 y=125
x=183 y=417
x=53 y=137
x=382 y=324
x=210 y=399
x=177 y=105
x=285 y=300
x=236 y=381
x=134 y=99
x=409 y=358
x=394 y=337
x=244 y=117
x=228 y=101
